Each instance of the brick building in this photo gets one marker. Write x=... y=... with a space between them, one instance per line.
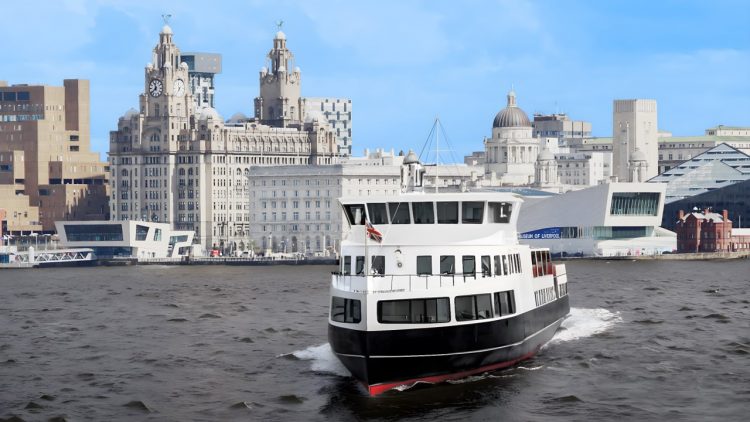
x=709 y=232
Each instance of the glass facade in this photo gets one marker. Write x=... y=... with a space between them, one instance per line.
x=93 y=232
x=734 y=198
x=635 y=203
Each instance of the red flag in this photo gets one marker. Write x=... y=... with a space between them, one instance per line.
x=372 y=232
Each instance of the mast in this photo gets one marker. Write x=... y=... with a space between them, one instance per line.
x=437 y=154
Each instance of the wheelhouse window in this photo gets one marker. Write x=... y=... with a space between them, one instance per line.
x=447 y=264
x=345 y=310
x=378 y=214
x=399 y=212
x=498 y=266
x=447 y=212
x=469 y=266
x=414 y=311
x=505 y=264
x=360 y=270
x=472 y=212
x=347 y=269
x=499 y=212
x=424 y=265
x=486 y=266
x=424 y=212
x=378 y=264
x=355 y=213
x=505 y=303
x=469 y=308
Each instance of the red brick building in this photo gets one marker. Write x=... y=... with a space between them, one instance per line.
x=709 y=232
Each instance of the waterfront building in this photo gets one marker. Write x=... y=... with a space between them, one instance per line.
x=512 y=150
x=605 y=220
x=189 y=168
x=47 y=169
x=202 y=67
x=674 y=150
x=735 y=198
x=125 y=239
x=635 y=140
x=582 y=169
x=338 y=113
x=560 y=127
x=709 y=232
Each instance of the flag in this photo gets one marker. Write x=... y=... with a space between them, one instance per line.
x=372 y=232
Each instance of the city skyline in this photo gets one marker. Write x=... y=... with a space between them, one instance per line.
x=402 y=64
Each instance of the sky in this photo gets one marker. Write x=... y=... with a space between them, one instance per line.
x=404 y=63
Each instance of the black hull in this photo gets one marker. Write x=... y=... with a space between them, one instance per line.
x=385 y=359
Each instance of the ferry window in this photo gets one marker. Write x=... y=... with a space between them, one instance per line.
x=345 y=310
x=399 y=212
x=424 y=212
x=378 y=264
x=499 y=212
x=355 y=213
x=505 y=264
x=447 y=212
x=505 y=303
x=447 y=264
x=470 y=266
x=378 y=215
x=424 y=265
x=472 y=212
x=486 y=266
x=469 y=308
x=347 y=270
x=518 y=262
x=498 y=266
x=414 y=311
x=360 y=265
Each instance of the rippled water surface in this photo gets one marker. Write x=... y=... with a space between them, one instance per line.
x=645 y=341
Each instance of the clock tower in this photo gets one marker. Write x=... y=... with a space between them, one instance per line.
x=280 y=103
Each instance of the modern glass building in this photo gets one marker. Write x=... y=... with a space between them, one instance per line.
x=733 y=198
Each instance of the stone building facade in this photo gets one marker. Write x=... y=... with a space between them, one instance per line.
x=175 y=163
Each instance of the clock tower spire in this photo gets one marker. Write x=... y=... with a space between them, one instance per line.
x=280 y=103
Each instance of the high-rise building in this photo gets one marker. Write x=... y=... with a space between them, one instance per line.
x=175 y=163
x=560 y=126
x=338 y=112
x=635 y=130
x=202 y=67
x=47 y=169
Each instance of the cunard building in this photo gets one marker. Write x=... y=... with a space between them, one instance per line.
x=178 y=163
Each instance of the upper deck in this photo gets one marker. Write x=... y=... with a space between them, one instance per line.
x=477 y=218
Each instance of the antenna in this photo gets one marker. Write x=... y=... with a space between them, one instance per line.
x=437 y=154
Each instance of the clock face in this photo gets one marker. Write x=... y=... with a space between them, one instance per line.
x=179 y=88
x=155 y=87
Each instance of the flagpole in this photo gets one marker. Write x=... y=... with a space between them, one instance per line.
x=367 y=255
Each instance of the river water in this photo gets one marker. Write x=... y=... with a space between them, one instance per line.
x=644 y=341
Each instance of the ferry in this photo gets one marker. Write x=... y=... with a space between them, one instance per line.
x=435 y=286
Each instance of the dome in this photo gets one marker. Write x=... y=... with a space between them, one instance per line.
x=411 y=158
x=280 y=36
x=238 y=117
x=545 y=155
x=184 y=66
x=206 y=113
x=130 y=113
x=166 y=29
x=638 y=155
x=512 y=115
x=314 y=116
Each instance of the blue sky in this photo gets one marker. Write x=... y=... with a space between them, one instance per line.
x=404 y=62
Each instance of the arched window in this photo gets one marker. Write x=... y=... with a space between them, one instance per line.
x=239 y=172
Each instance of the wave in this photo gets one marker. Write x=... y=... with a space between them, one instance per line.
x=323 y=360
x=584 y=322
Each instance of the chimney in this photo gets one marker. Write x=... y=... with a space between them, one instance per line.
x=725 y=214
x=681 y=215
x=705 y=211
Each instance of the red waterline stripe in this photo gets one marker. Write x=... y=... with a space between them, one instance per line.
x=378 y=389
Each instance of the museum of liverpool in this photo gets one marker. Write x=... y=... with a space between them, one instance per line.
x=614 y=219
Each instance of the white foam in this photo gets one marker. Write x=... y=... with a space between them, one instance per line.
x=323 y=360
x=585 y=323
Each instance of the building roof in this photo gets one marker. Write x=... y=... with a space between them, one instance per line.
x=511 y=115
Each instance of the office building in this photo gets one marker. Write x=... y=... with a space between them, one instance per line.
x=338 y=113
x=202 y=67
x=47 y=169
x=635 y=140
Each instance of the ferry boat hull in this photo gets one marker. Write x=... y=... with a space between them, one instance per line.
x=383 y=360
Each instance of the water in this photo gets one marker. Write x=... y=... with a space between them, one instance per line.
x=645 y=341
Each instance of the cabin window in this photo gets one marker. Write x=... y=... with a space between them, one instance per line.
x=360 y=270
x=424 y=212
x=399 y=212
x=447 y=264
x=378 y=264
x=414 y=311
x=498 y=266
x=518 y=262
x=378 y=215
x=486 y=266
x=345 y=310
x=473 y=307
x=355 y=213
x=347 y=269
x=424 y=265
x=505 y=303
x=447 y=212
x=499 y=212
x=505 y=264
x=472 y=212
x=469 y=266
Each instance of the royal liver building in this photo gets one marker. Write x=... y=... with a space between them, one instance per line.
x=176 y=163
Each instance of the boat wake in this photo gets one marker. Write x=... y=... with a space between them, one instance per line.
x=584 y=322
x=581 y=323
